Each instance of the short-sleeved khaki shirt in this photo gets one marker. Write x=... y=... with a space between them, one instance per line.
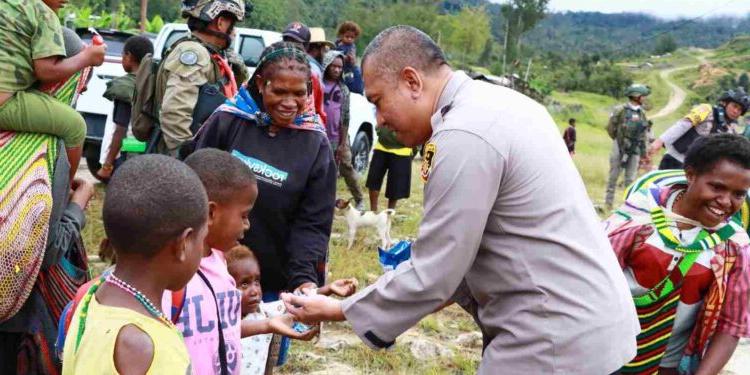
x=510 y=233
x=187 y=67
x=29 y=30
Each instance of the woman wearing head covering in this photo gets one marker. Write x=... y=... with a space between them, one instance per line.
x=268 y=126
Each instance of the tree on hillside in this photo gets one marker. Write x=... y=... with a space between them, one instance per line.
x=267 y=15
x=166 y=9
x=665 y=44
x=744 y=82
x=465 y=33
x=144 y=15
x=520 y=17
x=375 y=16
x=487 y=53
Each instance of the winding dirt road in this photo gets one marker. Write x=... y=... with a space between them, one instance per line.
x=676 y=97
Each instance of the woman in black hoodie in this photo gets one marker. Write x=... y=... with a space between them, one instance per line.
x=270 y=126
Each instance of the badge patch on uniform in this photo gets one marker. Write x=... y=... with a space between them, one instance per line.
x=189 y=58
x=429 y=154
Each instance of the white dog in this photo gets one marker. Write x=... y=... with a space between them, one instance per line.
x=356 y=219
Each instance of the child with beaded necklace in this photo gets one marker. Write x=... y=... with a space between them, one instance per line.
x=154 y=215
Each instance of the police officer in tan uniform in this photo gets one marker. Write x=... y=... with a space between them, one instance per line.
x=195 y=61
x=702 y=120
x=508 y=229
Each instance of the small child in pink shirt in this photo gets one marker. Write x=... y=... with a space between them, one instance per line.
x=210 y=316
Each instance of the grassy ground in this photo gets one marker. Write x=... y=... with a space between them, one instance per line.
x=591 y=112
x=362 y=262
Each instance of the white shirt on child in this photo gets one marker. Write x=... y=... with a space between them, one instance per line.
x=255 y=349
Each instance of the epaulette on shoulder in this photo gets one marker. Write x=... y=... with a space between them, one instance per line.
x=699 y=113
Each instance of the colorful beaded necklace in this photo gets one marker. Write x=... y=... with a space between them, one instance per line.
x=152 y=309
x=116 y=281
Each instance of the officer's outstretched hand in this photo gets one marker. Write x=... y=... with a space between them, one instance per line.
x=313 y=308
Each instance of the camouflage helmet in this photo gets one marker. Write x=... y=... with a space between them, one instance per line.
x=637 y=89
x=208 y=10
x=738 y=96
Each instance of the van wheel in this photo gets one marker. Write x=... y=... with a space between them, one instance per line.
x=361 y=152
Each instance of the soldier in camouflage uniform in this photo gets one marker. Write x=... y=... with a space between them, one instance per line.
x=628 y=127
x=33 y=53
x=200 y=58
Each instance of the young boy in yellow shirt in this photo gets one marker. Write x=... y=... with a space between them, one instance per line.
x=155 y=216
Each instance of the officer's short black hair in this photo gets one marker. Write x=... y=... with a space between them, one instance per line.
x=705 y=152
x=400 y=46
x=138 y=46
x=150 y=201
x=571 y=121
x=221 y=173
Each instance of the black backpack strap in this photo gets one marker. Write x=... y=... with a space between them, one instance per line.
x=719 y=124
x=222 y=344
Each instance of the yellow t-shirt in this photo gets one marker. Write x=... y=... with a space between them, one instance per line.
x=95 y=354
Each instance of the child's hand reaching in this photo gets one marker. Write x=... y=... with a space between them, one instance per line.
x=282 y=325
x=343 y=287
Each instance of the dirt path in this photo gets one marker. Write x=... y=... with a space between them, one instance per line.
x=676 y=97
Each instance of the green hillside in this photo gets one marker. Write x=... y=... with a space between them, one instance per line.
x=687 y=68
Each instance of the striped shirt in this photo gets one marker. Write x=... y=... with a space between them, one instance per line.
x=646 y=260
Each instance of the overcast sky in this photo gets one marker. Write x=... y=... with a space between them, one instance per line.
x=661 y=8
